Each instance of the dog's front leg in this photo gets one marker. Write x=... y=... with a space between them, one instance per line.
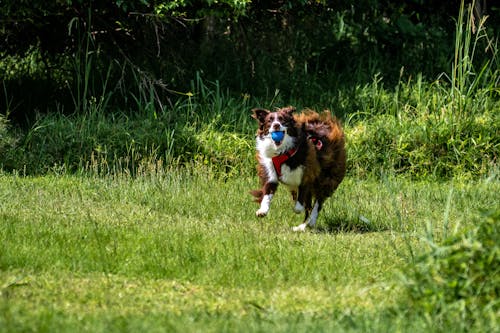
x=265 y=204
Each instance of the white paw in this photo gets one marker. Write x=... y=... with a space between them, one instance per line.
x=300 y=228
x=261 y=212
x=264 y=205
x=298 y=208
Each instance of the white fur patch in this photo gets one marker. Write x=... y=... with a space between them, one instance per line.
x=291 y=178
x=264 y=205
x=267 y=150
x=301 y=227
x=272 y=176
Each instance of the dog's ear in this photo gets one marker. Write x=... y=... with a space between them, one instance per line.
x=260 y=114
x=288 y=110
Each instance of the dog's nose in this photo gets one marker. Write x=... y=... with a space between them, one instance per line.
x=276 y=127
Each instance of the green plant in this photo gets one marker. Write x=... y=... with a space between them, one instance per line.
x=458 y=279
x=447 y=128
x=413 y=134
x=90 y=89
x=207 y=129
x=8 y=145
x=469 y=79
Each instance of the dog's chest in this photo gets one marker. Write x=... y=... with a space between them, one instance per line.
x=291 y=177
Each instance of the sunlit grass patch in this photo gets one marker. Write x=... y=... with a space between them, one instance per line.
x=186 y=251
x=94 y=294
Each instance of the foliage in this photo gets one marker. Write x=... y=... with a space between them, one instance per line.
x=4 y=134
x=415 y=133
x=118 y=114
x=458 y=280
x=8 y=145
x=306 y=49
x=203 y=129
x=447 y=128
x=422 y=138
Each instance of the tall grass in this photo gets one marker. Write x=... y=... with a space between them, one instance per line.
x=455 y=280
x=408 y=131
x=208 y=129
x=89 y=89
x=467 y=78
x=446 y=128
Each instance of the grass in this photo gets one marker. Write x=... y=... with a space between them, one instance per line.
x=177 y=252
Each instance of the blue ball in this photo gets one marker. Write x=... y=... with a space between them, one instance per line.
x=277 y=136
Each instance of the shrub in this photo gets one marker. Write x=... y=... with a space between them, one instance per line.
x=458 y=281
x=424 y=145
x=188 y=135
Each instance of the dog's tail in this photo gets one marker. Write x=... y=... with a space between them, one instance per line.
x=258 y=194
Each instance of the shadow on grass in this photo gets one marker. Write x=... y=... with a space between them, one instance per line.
x=339 y=224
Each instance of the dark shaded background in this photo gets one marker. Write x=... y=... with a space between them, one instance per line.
x=55 y=53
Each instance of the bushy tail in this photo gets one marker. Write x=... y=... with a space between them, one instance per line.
x=258 y=194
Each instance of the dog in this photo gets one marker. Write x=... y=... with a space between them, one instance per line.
x=308 y=157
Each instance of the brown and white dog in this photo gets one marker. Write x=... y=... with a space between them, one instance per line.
x=308 y=157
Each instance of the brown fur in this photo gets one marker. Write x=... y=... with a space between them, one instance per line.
x=325 y=168
x=331 y=159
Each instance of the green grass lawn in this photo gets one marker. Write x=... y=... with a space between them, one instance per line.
x=184 y=253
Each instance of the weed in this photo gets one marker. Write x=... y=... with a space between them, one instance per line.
x=8 y=144
x=457 y=280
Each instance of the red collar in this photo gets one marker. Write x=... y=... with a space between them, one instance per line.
x=280 y=159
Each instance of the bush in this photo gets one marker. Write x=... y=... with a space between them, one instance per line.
x=417 y=130
x=65 y=50
x=458 y=281
x=205 y=130
x=424 y=145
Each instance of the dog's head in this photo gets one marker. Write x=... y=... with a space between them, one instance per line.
x=278 y=127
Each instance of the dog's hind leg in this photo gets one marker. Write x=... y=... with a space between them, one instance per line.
x=314 y=214
x=302 y=201
x=298 y=208
x=310 y=218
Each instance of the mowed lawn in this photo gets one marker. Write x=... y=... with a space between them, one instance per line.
x=183 y=252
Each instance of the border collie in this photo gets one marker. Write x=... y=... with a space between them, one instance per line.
x=305 y=152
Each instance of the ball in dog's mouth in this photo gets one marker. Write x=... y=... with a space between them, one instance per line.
x=277 y=136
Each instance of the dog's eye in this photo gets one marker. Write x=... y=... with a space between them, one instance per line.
x=280 y=118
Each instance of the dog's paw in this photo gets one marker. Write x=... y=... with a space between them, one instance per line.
x=264 y=205
x=300 y=228
x=298 y=208
x=261 y=212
